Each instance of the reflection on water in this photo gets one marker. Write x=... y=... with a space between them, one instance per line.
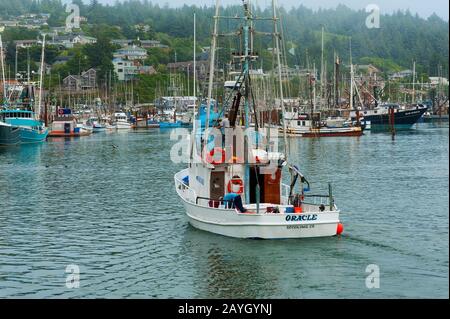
x=106 y=203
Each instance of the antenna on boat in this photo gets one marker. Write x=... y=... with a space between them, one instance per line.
x=275 y=28
x=38 y=109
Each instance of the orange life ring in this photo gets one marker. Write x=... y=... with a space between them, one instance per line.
x=210 y=155
x=236 y=180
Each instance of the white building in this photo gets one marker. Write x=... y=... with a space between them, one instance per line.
x=124 y=69
x=82 y=39
x=435 y=80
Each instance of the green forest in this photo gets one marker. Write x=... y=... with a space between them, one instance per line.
x=401 y=38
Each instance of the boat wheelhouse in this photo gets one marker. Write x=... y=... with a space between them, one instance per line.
x=121 y=121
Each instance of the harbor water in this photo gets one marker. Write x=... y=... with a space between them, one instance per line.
x=106 y=204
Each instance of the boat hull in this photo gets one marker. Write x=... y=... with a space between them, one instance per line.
x=9 y=135
x=71 y=134
x=169 y=125
x=403 y=119
x=98 y=129
x=227 y=222
x=326 y=132
x=29 y=135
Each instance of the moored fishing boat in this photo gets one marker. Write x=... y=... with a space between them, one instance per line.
x=310 y=125
x=31 y=129
x=65 y=125
x=121 y=121
x=403 y=117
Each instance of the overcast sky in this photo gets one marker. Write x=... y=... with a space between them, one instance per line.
x=423 y=7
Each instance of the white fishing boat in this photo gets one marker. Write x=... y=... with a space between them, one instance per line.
x=240 y=193
x=311 y=125
x=121 y=121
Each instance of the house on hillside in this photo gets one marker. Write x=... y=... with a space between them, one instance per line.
x=82 y=39
x=188 y=67
x=127 y=70
x=85 y=81
x=25 y=43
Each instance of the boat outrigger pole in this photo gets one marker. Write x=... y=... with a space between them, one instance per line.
x=246 y=72
x=41 y=76
x=5 y=95
x=211 y=67
x=277 y=46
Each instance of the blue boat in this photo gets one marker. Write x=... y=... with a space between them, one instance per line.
x=169 y=124
x=32 y=130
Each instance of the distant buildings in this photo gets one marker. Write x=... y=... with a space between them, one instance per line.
x=85 y=81
x=435 y=80
x=26 y=43
x=29 y=21
x=146 y=44
x=188 y=67
x=131 y=53
x=401 y=75
x=70 y=40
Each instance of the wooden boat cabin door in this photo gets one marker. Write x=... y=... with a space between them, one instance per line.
x=217 y=185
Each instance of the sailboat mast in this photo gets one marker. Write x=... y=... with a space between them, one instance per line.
x=321 y=75
x=212 y=60
x=195 y=58
x=351 y=76
x=413 y=83
x=195 y=73
x=277 y=46
x=41 y=79
x=5 y=96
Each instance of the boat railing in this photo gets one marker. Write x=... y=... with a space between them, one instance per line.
x=185 y=191
x=311 y=199
x=285 y=189
x=216 y=203
x=317 y=199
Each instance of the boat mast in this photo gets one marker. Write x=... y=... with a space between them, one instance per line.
x=321 y=76
x=413 y=82
x=195 y=74
x=211 y=67
x=41 y=75
x=5 y=96
x=277 y=46
x=351 y=76
x=246 y=72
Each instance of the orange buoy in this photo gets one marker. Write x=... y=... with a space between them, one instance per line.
x=340 y=228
